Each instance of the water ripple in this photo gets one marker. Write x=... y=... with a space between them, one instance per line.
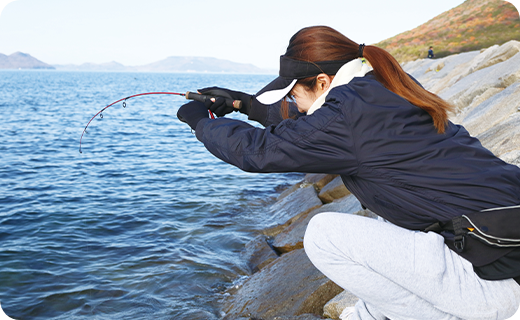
x=145 y=223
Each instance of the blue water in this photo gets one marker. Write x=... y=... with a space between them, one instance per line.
x=144 y=224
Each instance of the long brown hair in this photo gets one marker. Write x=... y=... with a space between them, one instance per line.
x=321 y=43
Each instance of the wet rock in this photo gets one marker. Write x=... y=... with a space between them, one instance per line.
x=319 y=180
x=333 y=190
x=290 y=190
x=291 y=238
x=290 y=207
x=335 y=307
x=288 y=286
x=257 y=254
x=302 y=317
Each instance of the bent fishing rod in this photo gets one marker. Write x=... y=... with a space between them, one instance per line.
x=237 y=104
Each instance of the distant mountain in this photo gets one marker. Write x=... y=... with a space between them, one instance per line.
x=200 y=64
x=174 y=64
x=473 y=25
x=109 y=66
x=19 y=60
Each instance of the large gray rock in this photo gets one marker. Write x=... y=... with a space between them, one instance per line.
x=319 y=180
x=501 y=75
x=288 y=208
x=257 y=254
x=469 y=79
x=512 y=157
x=288 y=286
x=291 y=189
x=429 y=71
x=335 y=307
x=503 y=138
x=291 y=238
x=492 y=111
x=494 y=55
x=463 y=68
x=333 y=190
x=306 y=316
x=438 y=75
x=301 y=317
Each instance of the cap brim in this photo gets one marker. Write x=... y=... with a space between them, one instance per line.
x=276 y=90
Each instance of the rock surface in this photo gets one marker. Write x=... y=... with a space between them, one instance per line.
x=291 y=238
x=334 y=307
x=333 y=190
x=289 y=286
x=301 y=200
x=258 y=253
x=319 y=180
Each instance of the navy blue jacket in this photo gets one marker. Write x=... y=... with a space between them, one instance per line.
x=386 y=150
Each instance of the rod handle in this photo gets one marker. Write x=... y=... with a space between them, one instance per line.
x=237 y=104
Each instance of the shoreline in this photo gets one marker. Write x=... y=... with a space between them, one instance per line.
x=273 y=254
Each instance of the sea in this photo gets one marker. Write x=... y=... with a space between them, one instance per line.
x=143 y=224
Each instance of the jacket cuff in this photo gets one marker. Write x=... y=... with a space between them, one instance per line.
x=258 y=112
x=199 y=130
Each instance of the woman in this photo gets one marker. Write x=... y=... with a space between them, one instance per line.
x=396 y=151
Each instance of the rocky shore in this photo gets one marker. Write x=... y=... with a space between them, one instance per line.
x=484 y=86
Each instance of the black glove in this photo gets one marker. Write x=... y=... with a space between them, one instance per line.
x=192 y=112
x=219 y=106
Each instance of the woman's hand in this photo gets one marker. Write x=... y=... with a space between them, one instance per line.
x=192 y=112
x=218 y=105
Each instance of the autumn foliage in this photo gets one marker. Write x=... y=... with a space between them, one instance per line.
x=473 y=25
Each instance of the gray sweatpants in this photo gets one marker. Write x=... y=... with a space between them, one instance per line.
x=401 y=274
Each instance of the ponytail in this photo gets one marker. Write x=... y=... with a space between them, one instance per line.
x=321 y=43
x=388 y=71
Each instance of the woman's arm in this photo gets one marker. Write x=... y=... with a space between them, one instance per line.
x=321 y=143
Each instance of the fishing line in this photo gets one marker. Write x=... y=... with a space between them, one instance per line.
x=189 y=95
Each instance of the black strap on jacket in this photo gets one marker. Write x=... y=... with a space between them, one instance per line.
x=460 y=238
x=454 y=226
x=486 y=238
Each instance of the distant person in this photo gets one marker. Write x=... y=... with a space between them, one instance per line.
x=391 y=142
x=430 y=53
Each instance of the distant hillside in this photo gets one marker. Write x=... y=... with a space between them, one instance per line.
x=19 y=60
x=109 y=66
x=173 y=64
x=200 y=64
x=473 y=25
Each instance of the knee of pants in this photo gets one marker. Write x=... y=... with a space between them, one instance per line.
x=315 y=234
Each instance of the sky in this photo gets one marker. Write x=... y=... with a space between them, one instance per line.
x=138 y=32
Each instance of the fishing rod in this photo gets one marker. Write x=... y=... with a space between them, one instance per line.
x=237 y=104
